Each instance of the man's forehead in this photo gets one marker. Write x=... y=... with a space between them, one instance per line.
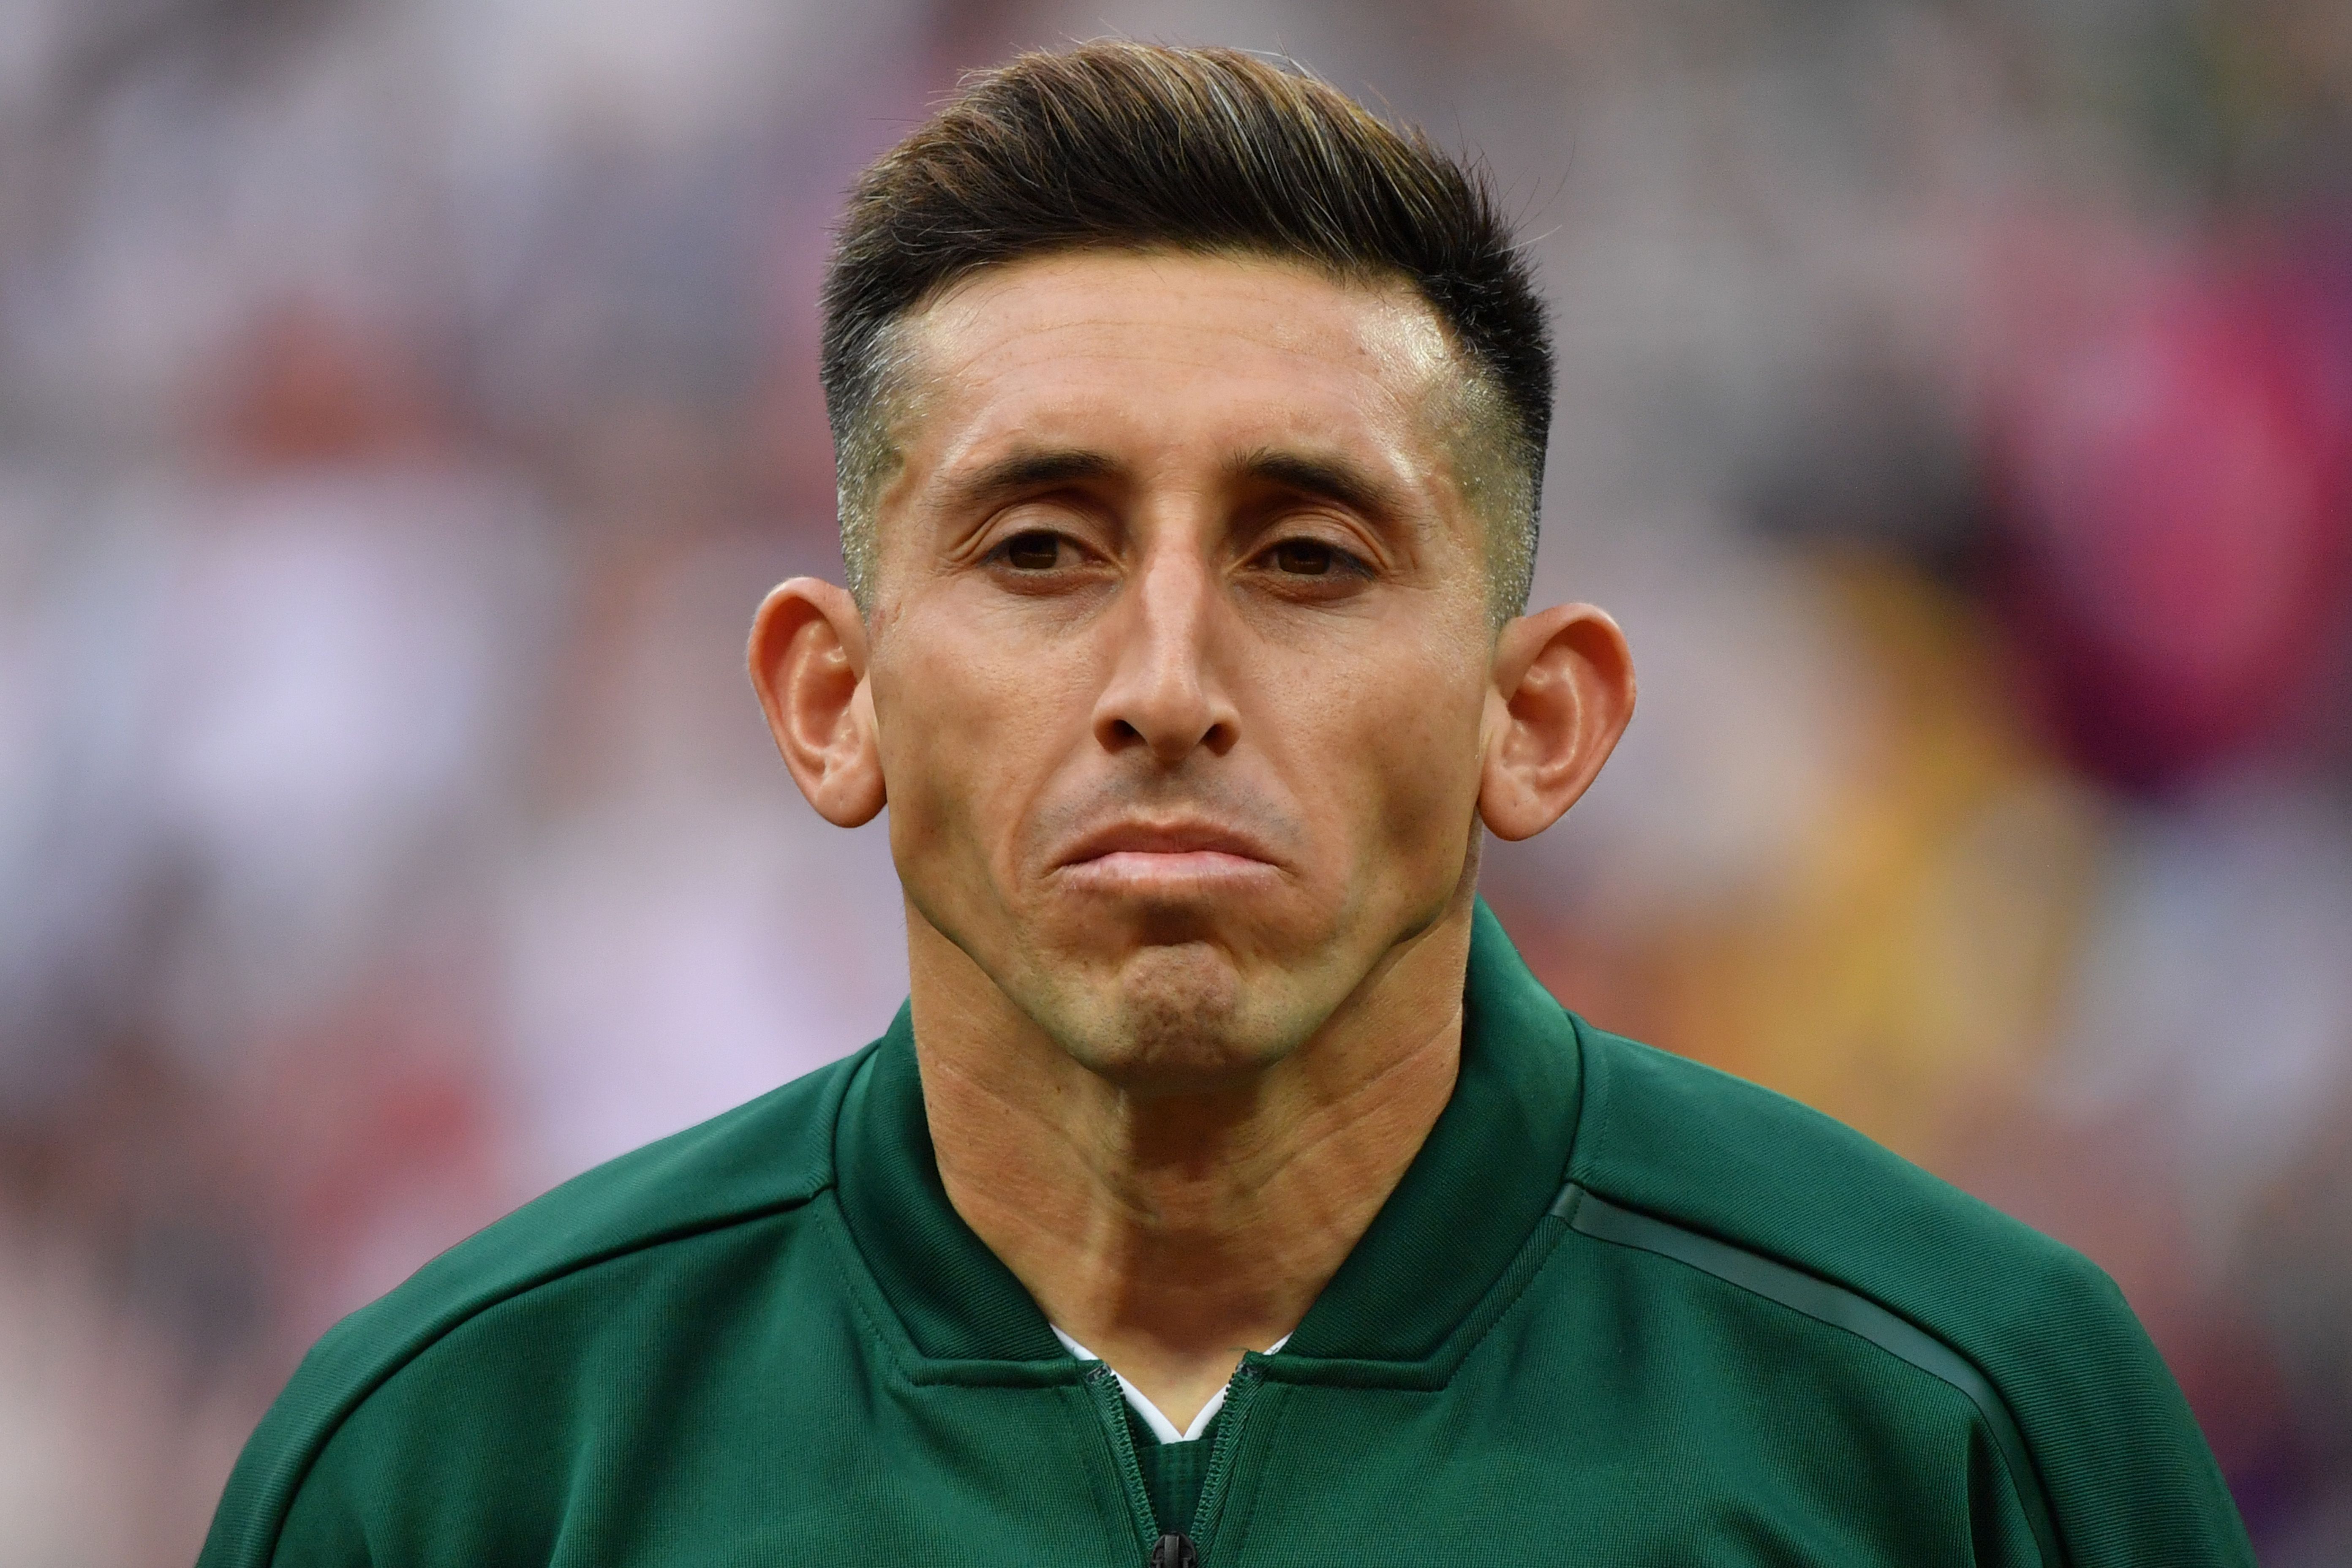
x=1079 y=290
x=1225 y=354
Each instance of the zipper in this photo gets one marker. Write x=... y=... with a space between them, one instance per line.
x=1110 y=1403
x=1248 y=1378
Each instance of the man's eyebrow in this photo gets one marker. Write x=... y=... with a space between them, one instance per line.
x=1029 y=471
x=1332 y=478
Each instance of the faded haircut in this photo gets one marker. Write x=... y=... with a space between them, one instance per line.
x=1127 y=146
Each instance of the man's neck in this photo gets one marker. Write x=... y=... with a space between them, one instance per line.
x=1171 y=1233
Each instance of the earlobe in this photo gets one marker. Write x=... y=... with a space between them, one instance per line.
x=808 y=663
x=1563 y=694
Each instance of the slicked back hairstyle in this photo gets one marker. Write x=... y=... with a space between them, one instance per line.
x=1127 y=146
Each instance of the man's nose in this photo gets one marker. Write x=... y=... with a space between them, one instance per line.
x=1165 y=693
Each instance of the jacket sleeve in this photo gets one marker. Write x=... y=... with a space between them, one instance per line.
x=2129 y=1477
x=272 y=1512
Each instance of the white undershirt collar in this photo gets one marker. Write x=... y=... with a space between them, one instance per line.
x=1162 y=1427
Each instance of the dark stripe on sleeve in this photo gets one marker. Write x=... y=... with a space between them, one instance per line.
x=1595 y=1217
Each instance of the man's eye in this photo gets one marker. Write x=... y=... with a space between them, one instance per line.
x=1033 y=552
x=1304 y=557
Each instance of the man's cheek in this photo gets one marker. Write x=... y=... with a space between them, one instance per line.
x=1402 y=752
x=926 y=817
x=1417 y=812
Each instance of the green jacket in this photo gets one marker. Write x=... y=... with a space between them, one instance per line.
x=1621 y=1310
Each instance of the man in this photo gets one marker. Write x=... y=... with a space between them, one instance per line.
x=1228 y=1190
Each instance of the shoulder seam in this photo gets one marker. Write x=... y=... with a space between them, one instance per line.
x=1835 y=1305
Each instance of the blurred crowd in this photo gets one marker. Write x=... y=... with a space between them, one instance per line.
x=404 y=403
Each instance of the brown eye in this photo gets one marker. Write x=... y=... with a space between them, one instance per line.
x=1303 y=557
x=1033 y=552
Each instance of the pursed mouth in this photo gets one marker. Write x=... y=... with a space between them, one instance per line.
x=1205 y=846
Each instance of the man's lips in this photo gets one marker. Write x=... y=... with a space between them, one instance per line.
x=1127 y=850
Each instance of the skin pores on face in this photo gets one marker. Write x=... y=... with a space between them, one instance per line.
x=1180 y=650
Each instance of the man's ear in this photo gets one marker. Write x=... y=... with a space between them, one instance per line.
x=808 y=664
x=1563 y=692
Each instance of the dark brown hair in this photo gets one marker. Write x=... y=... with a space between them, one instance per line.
x=1137 y=146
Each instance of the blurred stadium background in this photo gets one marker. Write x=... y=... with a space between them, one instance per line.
x=404 y=403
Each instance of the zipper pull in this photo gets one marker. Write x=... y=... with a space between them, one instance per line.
x=1174 y=1550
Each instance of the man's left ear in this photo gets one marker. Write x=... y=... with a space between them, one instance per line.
x=1563 y=692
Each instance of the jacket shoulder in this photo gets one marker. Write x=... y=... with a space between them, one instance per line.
x=2110 y=1440
x=772 y=1154
x=1683 y=1141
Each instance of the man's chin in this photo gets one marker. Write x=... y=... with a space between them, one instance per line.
x=1165 y=922
x=1177 y=1019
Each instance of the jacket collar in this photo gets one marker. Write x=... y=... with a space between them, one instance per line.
x=1472 y=1197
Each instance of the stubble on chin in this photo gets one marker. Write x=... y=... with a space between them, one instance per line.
x=1170 y=1019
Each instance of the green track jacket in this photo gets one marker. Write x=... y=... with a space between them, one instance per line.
x=1620 y=1311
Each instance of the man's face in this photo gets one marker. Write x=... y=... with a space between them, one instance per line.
x=1180 y=648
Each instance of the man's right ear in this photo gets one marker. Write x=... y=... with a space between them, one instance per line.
x=808 y=664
